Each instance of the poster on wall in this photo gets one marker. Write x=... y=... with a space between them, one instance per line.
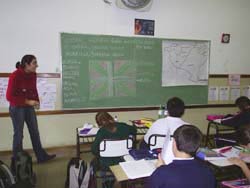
x=3 y=87
x=144 y=27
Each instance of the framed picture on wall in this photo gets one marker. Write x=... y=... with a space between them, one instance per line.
x=144 y=27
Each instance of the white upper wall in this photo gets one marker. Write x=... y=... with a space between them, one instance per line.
x=34 y=26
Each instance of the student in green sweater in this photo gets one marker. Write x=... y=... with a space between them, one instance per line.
x=110 y=129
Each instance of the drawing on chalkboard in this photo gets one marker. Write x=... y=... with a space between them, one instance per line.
x=185 y=62
x=111 y=79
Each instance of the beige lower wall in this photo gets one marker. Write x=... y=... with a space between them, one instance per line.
x=59 y=130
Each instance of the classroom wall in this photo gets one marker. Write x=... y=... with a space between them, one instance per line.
x=33 y=26
x=60 y=130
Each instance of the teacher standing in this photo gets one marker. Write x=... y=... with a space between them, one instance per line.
x=23 y=98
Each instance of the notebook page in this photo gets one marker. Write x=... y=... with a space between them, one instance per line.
x=138 y=169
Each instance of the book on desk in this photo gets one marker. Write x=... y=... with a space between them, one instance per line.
x=223 y=154
x=209 y=154
x=87 y=131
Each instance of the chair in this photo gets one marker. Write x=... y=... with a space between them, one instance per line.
x=156 y=141
x=115 y=148
x=220 y=129
x=222 y=140
x=112 y=148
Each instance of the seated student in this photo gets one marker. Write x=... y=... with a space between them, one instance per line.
x=184 y=171
x=241 y=118
x=109 y=129
x=175 y=107
x=243 y=135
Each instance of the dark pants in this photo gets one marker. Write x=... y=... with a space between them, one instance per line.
x=143 y=145
x=19 y=115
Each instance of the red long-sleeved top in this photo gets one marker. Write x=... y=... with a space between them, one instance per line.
x=21 y=86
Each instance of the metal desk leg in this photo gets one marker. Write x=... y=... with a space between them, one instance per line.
x=77 y=144
x=124 y=184
x=207 y=135
x=216 y=134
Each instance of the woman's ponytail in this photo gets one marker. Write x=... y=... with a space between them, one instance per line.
x=18 y=64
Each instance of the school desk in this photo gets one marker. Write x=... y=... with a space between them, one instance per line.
x=219 y=129
x=88 y=138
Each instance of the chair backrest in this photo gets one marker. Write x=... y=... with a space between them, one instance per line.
x=156 y=141
x=115 y=148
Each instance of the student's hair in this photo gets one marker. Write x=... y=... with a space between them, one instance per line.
x=175 y=107
x=27 y=59
x=242 y=103
x=104 y=119
x=243 y=135
x=188 y=139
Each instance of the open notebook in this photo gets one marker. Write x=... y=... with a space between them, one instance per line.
x=139 y=168
x=233 y=152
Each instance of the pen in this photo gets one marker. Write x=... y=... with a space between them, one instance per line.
x=224 y=150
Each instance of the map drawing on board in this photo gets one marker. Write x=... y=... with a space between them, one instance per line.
x=111 y=79
x=185 y=62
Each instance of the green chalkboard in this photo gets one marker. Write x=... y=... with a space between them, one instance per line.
x=114 y=71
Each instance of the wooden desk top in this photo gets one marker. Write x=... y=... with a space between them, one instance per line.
x=118 y=173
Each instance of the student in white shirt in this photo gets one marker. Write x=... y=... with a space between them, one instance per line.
x=167 y=126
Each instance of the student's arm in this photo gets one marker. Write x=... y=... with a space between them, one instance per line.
x=132 y=130
x=160 y=161
x=244 y=154
x=96 y=143
x=242 y=165
x=232 y=121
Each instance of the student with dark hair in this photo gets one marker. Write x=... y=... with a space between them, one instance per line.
x=241 y=118
x=167 y=126
x=184 y=171
x=23 y=98
x=243 y=137
x=109 y=129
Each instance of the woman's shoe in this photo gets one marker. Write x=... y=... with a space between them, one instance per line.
x=47 y=158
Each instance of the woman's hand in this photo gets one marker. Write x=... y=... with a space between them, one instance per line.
x=31 y=102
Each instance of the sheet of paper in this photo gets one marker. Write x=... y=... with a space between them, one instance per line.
x=234 y=93
x=47 y=94
x=224 y=93
x=138 y=169
x=128 y=158
x=223 y=162
x=246 y=91
x=3 y=87
x=213 y=93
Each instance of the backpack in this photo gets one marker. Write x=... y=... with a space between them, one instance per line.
x=7 y=179
x=80 y=174
x=22 y=168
